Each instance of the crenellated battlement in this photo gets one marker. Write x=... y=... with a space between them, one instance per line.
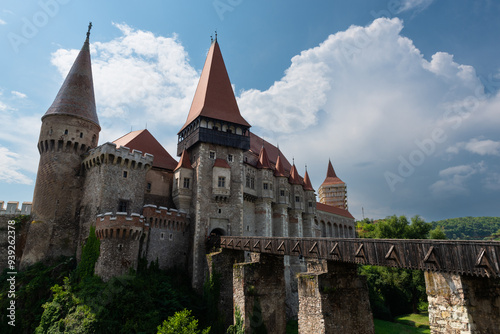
x=119 y=226
x=162 y=217
x=13 y=208
x=108 y=153
x=68 y=146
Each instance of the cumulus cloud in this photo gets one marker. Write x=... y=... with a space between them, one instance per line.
x=138 y=76
x=454 y=180
x=18 y=94
x=11 y=168
x=477 y=146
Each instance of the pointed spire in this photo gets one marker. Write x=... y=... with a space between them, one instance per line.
x=214 y=97
x=263 y=161
x=331 y=177
x=76 y=95
x=279 y=171
x=184 y=162
x=294 y=177
x=307 y=182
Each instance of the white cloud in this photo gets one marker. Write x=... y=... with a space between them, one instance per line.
x=418 y=5
x=138 y=77
x=18 y=94
x=2 y=22
x=454 y=180
x=11 y=167
x=477 y=146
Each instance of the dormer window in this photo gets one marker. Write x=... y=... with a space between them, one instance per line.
x=212 y=155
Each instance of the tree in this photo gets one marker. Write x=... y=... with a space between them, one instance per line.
x=181 y=323
x=437 y=233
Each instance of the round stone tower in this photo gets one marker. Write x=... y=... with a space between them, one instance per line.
x=70 y=128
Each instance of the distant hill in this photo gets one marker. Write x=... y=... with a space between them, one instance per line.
x=469 y=228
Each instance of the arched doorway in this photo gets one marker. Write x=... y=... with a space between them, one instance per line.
x=213 y=240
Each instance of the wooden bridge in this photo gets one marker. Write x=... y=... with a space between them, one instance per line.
x=477 y=258
x=462 y=281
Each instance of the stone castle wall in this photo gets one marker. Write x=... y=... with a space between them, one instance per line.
x=168 y=239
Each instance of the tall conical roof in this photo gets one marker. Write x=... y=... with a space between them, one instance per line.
x=214 y=95
x=331 y=177
x=263 y=162
x=184 y=162
x=294 y=177
x=307 y=183
x=76 y=95
x=279 y=170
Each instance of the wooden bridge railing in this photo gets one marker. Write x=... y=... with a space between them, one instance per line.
x=477 y=258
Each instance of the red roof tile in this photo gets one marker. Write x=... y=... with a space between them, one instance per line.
x=331 y=177
x=221 y=163
x=294 y=177
x=76 y=95
x=256 y=143
x=307 y=182
x=184 y=162
x=333 y=209
x=143 y=140
x=263 y=162
x=214 y=95
x=279 y=170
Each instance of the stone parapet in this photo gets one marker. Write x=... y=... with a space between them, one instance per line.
x=108 y=153
x=163 y=217
x=119 y=226
x=12 y=208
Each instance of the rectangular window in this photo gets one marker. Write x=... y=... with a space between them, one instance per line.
x=297 y=199
x=122 y=206
x=222 y=182
x=252 y=182
x=125 y=174
x=230 y=158
x=282 y=193
x=310 y=204
x=186 y=182
x=265 y=185
x=148 y=186
x=212 y=155
x=247 y=181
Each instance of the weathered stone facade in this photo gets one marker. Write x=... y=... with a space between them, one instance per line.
x=460 y=304
x=333 y=299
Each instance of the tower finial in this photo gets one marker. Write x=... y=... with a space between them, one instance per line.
x=216 y=35
x=88 y=31
x=211 y=39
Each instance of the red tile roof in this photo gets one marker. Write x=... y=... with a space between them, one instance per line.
x=256 y=143
x=279 y=170
x=263 y=162
x=294 y=177
x=331 y=177
x=143 y=140
x=76 y=95
x=221 y=163
x=184 y=162
x=214 y=95
x=307 y=182
x=333 y=209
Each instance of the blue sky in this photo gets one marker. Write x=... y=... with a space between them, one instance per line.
x=401 y=95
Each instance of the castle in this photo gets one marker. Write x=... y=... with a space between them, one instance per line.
x=144 y=203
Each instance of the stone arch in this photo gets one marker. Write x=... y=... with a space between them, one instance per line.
x=323 y=228
x=329 y=231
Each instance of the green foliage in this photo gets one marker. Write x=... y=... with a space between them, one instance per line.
x=90 y=254
x=386 y=327
x=394 y=291
x=494 y=236
x=437 y=233
x=32 y=291
x=181 y=323
x=469 y=228
x=239 y=325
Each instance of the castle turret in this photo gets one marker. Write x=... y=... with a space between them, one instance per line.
x=310 y=210
x=215 y=135
x=333 y=191
x=70 y=127
x=183 y=183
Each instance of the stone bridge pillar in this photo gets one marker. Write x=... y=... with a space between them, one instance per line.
x=259 y=293
x=463 y=304
x=220 y=267
x=333 y=299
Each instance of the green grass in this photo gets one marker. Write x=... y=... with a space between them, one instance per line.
x=406 y=324
x=415 y=320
